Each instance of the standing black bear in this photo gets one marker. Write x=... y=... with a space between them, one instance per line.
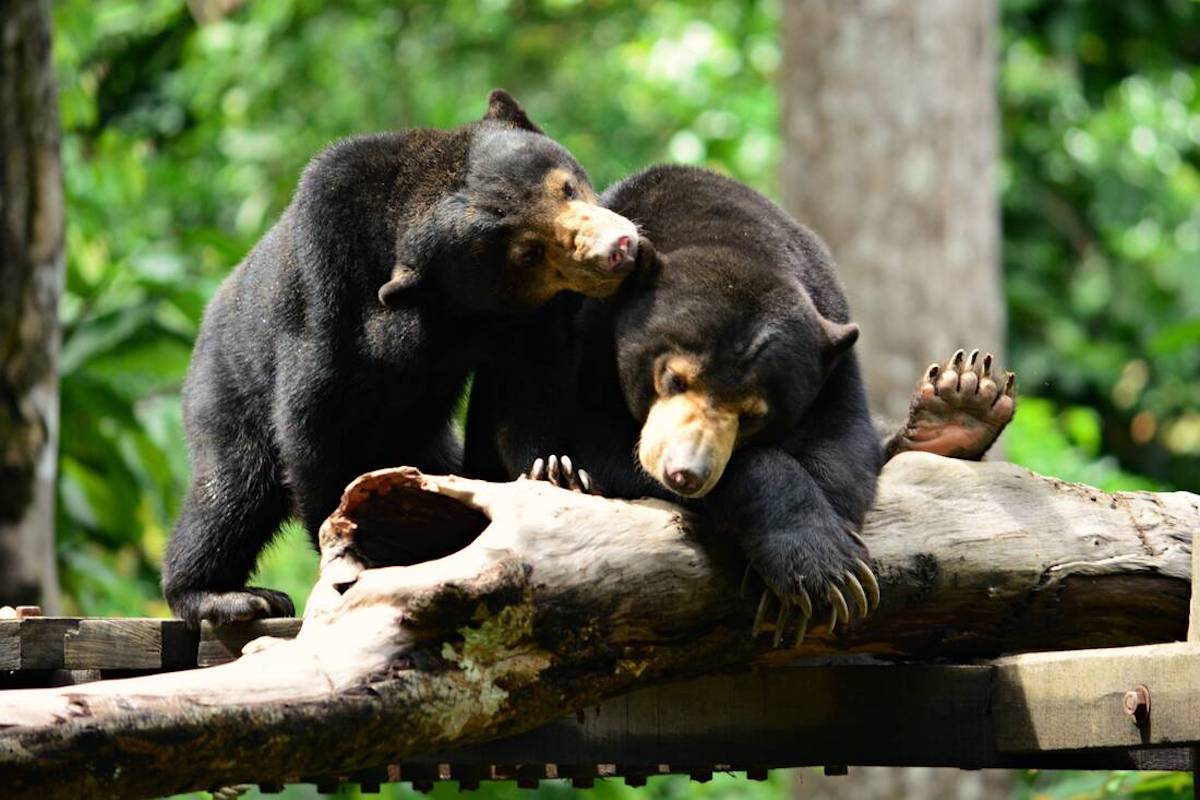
x=725 y=365
x=343 y=341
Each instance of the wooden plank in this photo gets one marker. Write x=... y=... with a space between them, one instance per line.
x=219 y=645
x=150 y=644
x=34 y=642
x=1067 y=701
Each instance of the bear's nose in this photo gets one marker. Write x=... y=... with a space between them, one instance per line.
x=621 y=252
x=683 y=481
x=685 y=470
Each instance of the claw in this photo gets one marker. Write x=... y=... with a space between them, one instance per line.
x=957 y=358
x=987 y=365
x=971 y=359
x=585 y=481
x=839 y=603
x=868 y=578
x=1010 y=382
x=932 y=373
x=537 y=470
x=760 y=615
x=833 y=618
x=805 y=602
x=785 y=610
x=803 y=629
x=552 y=470
x=568 y=469
x=857 y=537
x=856 y=590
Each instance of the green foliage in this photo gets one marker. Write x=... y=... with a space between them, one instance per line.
x=1102 y=220
x=1042 y=785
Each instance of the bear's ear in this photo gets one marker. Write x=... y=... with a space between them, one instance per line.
x=404 y=281
x=839 y=337
x=503 y=108
x=648 y=265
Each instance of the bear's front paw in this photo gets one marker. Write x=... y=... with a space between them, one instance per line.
x=562 y=473
x=807 y=569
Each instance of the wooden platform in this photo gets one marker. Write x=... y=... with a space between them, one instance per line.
x=1061 y=710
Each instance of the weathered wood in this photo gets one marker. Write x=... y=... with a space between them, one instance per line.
x=562 y=599
x=74 y=643
x=224 y=643
x=34 y=643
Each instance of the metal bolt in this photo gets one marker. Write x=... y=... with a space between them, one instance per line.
x=1137 y=704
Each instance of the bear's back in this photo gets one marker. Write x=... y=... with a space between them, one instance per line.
x=680 y=207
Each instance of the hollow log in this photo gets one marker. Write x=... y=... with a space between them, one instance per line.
x=529 y=601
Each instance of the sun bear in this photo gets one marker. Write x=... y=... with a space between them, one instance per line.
x=721 y=375
x=343 y=341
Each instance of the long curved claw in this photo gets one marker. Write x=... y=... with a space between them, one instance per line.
x=746 y=577
x=869 y=581
x=552 y=472
x=785 y=611
x=839 y=603
x=568 y=471
x=856 y=589
x=805 y=602
x=833 y=620
x=760 y=615
x=585 y=481
x=857 y=537
x=802 y=630
x=538 y=470
x=987 y=365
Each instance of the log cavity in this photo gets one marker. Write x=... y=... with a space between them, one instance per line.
x=398 y=523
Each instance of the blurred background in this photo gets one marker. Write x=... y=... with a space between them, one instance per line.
x=1021 y=176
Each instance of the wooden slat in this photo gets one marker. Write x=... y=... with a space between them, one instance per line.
x=34 y=642
x=219 y=645
x=151 y=644
x=1066 y=701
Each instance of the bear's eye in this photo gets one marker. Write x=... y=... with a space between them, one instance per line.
x=531 y=254
x=673 y=383
x=569 y=190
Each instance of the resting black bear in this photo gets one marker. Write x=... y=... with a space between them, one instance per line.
x=342 y=343
x=725 y=365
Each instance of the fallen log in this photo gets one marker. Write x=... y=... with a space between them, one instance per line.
x=538 y=601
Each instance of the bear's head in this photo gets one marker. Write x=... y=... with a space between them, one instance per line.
x=714 y=354
x=524 y=224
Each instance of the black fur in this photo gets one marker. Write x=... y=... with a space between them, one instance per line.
x=342 y=343
x=732 y=272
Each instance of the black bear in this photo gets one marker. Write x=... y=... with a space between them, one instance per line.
x=721 y=374
x=343 y=341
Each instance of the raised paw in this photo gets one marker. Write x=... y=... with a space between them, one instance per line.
x=561 y=472
x=246 y=604
x=959 y=408
x=802 y=580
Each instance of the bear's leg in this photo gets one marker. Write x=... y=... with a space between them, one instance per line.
x=799 y=538
x=233 y=507
x=958 y=409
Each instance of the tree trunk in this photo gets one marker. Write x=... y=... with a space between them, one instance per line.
x=31 y=270
x=889 y=122
x=547 y=601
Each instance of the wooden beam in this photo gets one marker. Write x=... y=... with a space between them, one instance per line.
x=554 y=601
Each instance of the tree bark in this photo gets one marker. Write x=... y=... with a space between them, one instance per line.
x=890 y=132
x=31 y=274
x=546 y=601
